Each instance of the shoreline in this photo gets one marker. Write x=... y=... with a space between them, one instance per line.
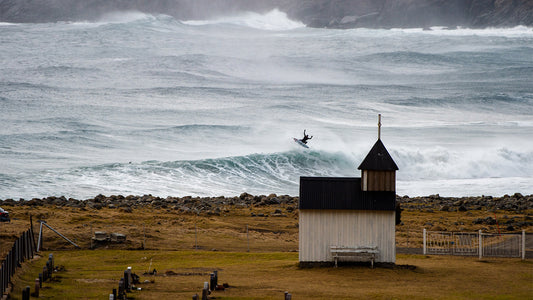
x=516 y=202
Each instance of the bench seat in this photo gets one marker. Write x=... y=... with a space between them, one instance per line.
x=360 y=253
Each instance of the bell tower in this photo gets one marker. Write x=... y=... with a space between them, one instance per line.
x=378 y=169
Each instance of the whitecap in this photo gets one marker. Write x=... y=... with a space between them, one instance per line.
x=275 y=20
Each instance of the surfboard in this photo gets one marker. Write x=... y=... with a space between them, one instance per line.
x=300 y=143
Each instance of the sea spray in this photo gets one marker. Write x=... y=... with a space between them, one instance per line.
x=138 y=104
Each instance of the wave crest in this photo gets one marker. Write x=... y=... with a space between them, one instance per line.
x=273 y=20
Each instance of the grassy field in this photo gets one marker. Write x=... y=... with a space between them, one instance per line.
x=256 y=255
x=93 y=274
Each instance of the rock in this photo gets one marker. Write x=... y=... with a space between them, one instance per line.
x=245 y=196
x=518 y=196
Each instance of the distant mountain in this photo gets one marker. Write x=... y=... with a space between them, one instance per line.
x=314 y=13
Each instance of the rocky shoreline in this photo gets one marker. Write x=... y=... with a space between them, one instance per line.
x=517 y=208
x=213 y=205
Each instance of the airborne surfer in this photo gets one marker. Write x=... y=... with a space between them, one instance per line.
x=305 y=138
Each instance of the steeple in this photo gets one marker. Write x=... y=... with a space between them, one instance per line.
x=379 y=126
x=378 y=169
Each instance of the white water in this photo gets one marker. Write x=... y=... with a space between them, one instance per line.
x=138 y=104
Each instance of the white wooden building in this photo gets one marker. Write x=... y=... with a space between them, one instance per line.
x=350 y=212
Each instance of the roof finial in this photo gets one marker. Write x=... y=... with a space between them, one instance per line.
x=379 y=126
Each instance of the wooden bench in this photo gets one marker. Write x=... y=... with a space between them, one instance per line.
x=360 y=253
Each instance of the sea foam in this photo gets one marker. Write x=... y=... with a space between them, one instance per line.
x=274 y=20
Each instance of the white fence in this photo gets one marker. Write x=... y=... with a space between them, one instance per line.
x=475 y=244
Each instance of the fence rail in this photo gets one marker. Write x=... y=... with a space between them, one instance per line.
x=23 y=248
x=475 y=244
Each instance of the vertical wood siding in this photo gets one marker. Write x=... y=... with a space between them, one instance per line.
x=379 y=180
x=320 y=229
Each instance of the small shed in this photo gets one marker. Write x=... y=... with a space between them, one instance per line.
x=350 y=213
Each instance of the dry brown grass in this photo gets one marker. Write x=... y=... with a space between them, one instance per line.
x=266 y=271
x=165 y=229
x=161 y=229
x=93 y=275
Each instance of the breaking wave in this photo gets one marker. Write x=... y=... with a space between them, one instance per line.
x=273 y=20
x=268 y=173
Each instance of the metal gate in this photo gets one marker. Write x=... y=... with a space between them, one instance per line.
x=474 y=243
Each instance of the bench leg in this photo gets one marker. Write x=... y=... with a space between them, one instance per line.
x=372 y=263
x=335 y=261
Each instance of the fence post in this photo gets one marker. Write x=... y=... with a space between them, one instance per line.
x=288 y=296
x=523 y=244
x=26 y=293
x=37 y=285
x=212 y=284
x=2 y=278
x=480 y=244
x=424 y=239
x=40 y=240
x=205 y=291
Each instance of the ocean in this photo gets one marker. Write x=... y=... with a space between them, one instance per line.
x=147 y=104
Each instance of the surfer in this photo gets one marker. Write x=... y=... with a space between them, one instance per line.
x=305 y=138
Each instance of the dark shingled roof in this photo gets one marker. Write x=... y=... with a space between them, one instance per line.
x=342 y=193
x=378 y=159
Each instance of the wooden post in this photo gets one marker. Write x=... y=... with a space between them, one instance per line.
x=126 y=281
x=37 y=285
x=288 y=296
x=212 y=281
x=51 y=259
x=523 y=244
x=424 y=241
x=205 y=290
x=121 y=290
x=26 y=293
x=40 y=240
x=45 y=273
x=480 y=244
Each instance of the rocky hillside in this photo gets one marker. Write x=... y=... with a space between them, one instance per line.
x=414 y=13
x=314 y=13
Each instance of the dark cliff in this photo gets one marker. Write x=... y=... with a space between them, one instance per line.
x=314 y=13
